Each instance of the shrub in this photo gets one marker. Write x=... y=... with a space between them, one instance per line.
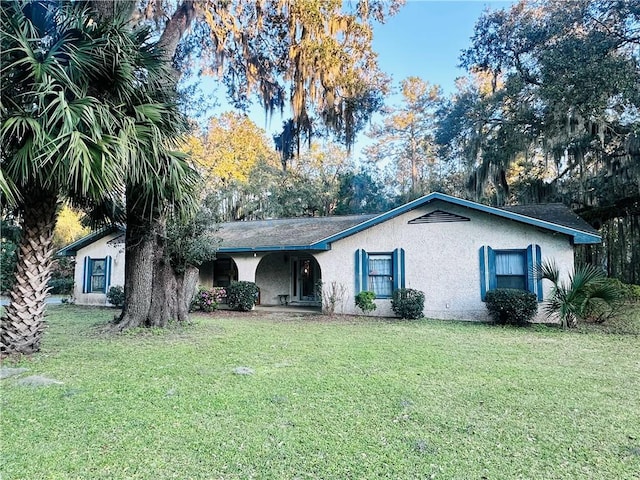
x=587 y=293
x=115 y=295
x=511 y=306
x=61 y=281
x=332 y=296
x=365 y=301
x=407 y=303
x=628 y=291
x=208 y=299
x=61 y=286
x=242 y=296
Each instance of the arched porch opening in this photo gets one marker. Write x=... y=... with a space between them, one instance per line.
x=219 y=273
x=289 y=278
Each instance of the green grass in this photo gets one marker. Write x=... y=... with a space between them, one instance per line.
x=330 y=399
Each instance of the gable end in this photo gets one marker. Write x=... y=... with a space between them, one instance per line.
x=438 y=216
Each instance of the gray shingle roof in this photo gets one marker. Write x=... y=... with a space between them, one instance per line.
x=318 y=232
x=291 y=233
x=284 y=233
x=557 y=213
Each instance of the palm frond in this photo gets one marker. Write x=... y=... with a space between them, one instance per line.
x=548 y=270
x=586 y=290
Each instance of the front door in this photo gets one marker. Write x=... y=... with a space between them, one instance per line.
x=305 y=277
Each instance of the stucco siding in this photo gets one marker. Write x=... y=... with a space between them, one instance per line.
x=273 y=277
x=441 y=259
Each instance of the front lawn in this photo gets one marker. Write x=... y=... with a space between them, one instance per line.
x=322 y=398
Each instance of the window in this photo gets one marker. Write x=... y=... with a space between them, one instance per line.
x=96 y=275
x=510 y=269
x=380 y=273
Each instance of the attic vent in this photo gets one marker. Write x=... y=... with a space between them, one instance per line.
x=438 y=216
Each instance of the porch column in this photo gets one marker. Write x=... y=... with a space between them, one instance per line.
x=247 y=265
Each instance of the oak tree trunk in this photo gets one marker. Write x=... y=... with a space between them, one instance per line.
x=154 y=292
x=187 y=285
x=23 y=322
x=140 y=251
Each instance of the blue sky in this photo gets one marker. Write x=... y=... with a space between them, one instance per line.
x=424 y=39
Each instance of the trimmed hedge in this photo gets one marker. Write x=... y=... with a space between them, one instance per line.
x=407 y=303
x=511 y=306
x=242 y=296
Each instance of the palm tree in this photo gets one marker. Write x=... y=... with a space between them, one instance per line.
x=78 y=117
x=585 y=290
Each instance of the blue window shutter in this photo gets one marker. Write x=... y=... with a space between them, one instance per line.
x=531 y=284
x=538 y=279
x=107 y=274
x=398 y=268
x=483 y=273
x=395 y=268
x=493 y=279
x=358 y=269
x=364 y=261
x=402 y=274
x=362 y=270
x=86 y=275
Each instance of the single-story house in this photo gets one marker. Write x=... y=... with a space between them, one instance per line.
x=451 y=249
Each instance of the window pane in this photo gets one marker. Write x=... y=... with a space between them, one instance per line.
x=97 y=283
x=98 y=267
x=381 y=275
x=380 y=265
x=382 y=286
x=510 y=263
x=512 y=281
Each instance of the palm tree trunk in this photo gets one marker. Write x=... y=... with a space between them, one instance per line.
x=571 y=321
x=23 y=322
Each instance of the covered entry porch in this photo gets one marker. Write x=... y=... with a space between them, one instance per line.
x=284 y=278
x=289 y=278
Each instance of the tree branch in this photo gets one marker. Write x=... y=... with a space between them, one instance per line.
x=176 y=27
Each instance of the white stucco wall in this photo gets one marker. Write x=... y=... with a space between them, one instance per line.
x=441 y=259
x=273 y=277
x=99 y=249
x=247 y=263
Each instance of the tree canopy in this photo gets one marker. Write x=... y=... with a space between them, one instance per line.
x=557 y=97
